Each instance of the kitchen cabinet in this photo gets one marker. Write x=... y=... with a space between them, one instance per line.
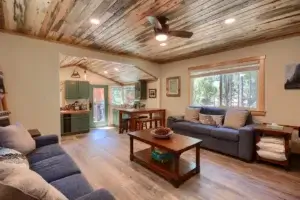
x=141 y=90
x=75 y=123
x=77 y=89
x=79 y=122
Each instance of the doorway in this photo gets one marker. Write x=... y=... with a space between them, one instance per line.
x=99 y=106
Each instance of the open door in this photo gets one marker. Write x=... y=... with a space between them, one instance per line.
x=99 y=105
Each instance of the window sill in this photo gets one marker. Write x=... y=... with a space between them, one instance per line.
x=258 y=113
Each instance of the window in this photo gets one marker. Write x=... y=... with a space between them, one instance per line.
x=231 y=84
x=122 y=95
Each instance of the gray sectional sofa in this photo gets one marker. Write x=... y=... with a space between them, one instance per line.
x=234 y=142
x=51 y=162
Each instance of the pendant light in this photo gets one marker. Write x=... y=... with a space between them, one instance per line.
x=75 y=74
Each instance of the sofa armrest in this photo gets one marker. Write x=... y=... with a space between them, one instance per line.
x=246 y=142
x=173 y=119
x=101 y=194
x=45 y=140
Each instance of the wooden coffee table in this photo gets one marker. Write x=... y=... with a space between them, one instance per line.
x=177 y=170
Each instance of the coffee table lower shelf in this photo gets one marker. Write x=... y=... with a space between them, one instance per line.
x=167 y=170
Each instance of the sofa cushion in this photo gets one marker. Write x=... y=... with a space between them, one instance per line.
x=45 y=152
x=235 y=118
x=55 y=168
x=16 y=137
x=193 y=128
x=202 y=129
x=225 y=134
x=13 y=156
x=191 y=114
x=73 y=186
x=21 y=183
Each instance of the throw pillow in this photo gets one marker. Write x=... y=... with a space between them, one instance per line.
x=12 y=156
x=218 y=119
x=192 y=114
x=272 y=155
x=22 y=183
x=16 y=137
x=206 y=119
x=235 y=118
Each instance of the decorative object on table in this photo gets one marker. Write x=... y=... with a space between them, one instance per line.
x=162 y=133
x=272 y=144
x=292 y=75
x=173 y=86
x=152 y=93
x=274 y=126
x=161 y=155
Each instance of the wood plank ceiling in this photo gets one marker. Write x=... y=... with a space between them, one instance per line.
x=119 y=73
x=124 y=29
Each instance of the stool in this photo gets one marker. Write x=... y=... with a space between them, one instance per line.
x=124 y=126
x=157 y=121
x=142 y=123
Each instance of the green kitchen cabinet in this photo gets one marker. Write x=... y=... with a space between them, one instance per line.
x=71 y=89
x=80 y=122
x=77 y=89
x=83 y=89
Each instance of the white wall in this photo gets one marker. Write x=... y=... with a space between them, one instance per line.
x=31 y=70
x=282 y=106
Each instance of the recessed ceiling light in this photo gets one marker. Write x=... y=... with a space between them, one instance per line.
x=116 y=69
x=161 y=37
x=229 y=21
x=163 y=44
x=95 y=21
x=105 y=72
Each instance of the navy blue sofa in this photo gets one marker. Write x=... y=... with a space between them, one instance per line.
x=238 y=143
x=51 y=162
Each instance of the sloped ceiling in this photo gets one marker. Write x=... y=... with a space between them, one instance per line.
x=118 y=72
x=124 y=29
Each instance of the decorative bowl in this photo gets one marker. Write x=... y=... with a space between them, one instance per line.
x=161 y=136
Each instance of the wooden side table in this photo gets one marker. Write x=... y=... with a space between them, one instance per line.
x=34 y=132
x=286 y=133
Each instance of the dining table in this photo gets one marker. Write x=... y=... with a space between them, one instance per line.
x=135 y=112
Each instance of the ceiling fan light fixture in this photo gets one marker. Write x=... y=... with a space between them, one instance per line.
x=229 y=21
x=163 y=44
x=161 y=37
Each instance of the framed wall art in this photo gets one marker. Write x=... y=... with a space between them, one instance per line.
x=173 y=86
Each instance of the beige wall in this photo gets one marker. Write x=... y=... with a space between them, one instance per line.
x=31 y=70
x=282 y=106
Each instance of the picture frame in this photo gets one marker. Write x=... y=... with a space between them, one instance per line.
x=152 y=93
x=173 y=86
x=292 y=76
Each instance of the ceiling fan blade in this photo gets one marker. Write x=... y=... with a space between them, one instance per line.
x=182 y=34
x=155 y=23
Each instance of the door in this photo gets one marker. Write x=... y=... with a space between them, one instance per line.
x=99 y=109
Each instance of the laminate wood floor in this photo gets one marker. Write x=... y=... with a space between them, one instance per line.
x=103 y=157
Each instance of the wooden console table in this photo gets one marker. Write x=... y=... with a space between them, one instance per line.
x=286 y=133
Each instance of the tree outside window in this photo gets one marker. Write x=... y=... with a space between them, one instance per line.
x=237 y=89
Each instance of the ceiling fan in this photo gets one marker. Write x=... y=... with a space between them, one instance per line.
x=161 y=29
